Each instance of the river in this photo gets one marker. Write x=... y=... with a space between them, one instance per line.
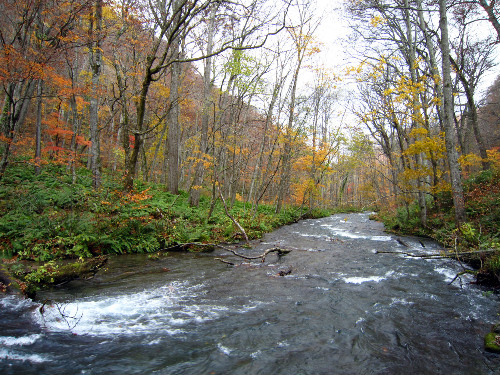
x=343 y=309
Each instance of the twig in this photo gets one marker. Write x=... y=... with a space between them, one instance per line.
x=224 y=261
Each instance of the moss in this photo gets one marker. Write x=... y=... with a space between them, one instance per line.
x=9 y=283
x=27 y=277
x=492 y=342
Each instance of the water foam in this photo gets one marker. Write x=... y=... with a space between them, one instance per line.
x=381 y=238
x=448 y=273
x=224 y=349
x=9 y=355
x=360 y=280
x=166 y=309
x=19 y=341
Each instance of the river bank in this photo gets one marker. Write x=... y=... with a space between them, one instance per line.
x=54 y=228
x=477 y=241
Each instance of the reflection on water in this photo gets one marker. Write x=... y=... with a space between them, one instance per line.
x=343 y=310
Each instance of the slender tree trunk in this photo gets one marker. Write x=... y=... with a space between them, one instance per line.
x=173 y=138
x=95 y=63
x=17 y=100
x=416 y=114
x=194 y=194
x=472 y=115
x=284 y=185
x=491 y=15
x=451 y=146
x=431 y=57
x=260 y=160
x=38 y=132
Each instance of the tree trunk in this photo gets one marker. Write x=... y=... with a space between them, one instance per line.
x=194 y=194
x=17 y=100
x=173 y=138
x=260 y=160
x=416 y=114
x=469 y=93
x=491 y=15
x=450 y=136
x=38 y=132
x=286 y=171
x=95 y=63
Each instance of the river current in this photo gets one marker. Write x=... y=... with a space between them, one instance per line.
x=341 y=308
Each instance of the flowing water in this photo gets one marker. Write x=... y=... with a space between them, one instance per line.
x=343 y=309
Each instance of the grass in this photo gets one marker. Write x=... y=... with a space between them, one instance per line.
x=47 y=218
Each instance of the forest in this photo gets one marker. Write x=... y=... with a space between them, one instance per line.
x=137 y=126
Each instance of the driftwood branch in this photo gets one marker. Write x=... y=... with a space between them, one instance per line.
x=262 y=256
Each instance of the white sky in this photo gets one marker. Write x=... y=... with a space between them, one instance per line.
x=335 y=27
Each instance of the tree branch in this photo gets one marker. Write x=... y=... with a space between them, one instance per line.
x=232 y=218
x=262 y=256
x=436 y=256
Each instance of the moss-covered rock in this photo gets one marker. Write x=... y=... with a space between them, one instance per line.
x=9 y=283
x=492 y=342
x=27 y=277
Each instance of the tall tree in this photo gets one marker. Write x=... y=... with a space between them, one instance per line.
x=174 y=112
x=302 y=37
x=95 y=60
x=448 y=122
x=194 y=193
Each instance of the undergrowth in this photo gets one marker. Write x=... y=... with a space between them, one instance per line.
x=481 y=231
x=47 y=216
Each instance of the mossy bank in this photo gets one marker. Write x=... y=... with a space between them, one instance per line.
x=51 y=224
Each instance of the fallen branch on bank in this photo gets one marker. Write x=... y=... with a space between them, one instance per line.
x=232 y=218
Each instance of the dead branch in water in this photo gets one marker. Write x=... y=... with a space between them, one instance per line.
x=225 y=261
x=437 y=256
x=262 y=256
x=465 y=272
